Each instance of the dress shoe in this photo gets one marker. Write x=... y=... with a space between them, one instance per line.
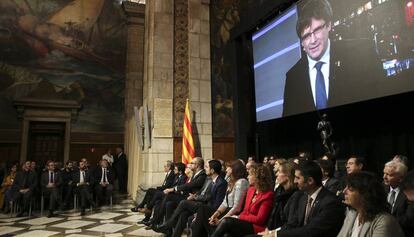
x=161 y=228
x=20 y=214
x=148 y=227
x=143 y=221
x=134 y=209
x=82 y=212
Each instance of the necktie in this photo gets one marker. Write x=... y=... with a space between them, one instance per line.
x=105 y=180
x=392 y=199
x=53 y=177
x=320 y=90
x=308 y=210
x=50 y=177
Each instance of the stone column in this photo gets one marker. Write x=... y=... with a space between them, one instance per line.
x=158 y=89
x=135 y=13
x=199 y=73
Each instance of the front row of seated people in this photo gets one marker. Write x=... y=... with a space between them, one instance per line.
x=299 y=204
x=25 y=186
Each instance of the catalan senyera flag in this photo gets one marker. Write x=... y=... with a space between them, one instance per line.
x=188 y=152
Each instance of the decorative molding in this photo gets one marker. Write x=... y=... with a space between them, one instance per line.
x=135 y=12
x=181 y=73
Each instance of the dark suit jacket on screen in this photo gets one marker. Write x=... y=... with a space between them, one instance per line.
x=353 y=75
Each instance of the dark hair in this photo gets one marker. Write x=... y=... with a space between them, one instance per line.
x=170 y=165
x=215 y=165
x=374 y=198
x=310 y=169
x=180 y=167
x=408 y=182
x=317 y=9
x=238 y=170
x=359 y=160
x=263 y=177
x=327 y=166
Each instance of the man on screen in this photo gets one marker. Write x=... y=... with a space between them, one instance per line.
x=328 y=73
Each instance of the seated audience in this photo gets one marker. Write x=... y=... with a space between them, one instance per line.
x=318 y=212
x=353 y=164
x=50 y=183
x=181 y=192
x=257 y=207
x=23 y=188
x=211 y=194
x=394 y=173
x=104 y=181
x=401 y=158
x=328 y=179
x=167 y=183
x=207 y=218
x=82 y=182
x=5 y=191
x=369 y=214
x=67 y=186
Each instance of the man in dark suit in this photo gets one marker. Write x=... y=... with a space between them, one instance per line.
x=67 y=184
x=23 y=187
x=328 y=74
x=177 y=194
x=401 y=208
x=121 y=168
x=83 y=181
x=50 y=183
x=211 y=194
x=318 y=212
x=104 y=180
x=167 y=183
x=328 y=179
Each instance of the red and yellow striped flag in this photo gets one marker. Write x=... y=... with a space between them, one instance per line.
x=188 y=152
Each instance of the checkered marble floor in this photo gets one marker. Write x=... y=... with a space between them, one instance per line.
x=116 y=222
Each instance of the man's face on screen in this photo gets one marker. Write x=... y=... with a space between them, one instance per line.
x=315 y=37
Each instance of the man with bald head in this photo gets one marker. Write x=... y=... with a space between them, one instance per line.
x=401 y=208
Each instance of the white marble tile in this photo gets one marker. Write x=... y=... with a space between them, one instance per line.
x=132 y=219
x=41 y=221
x=38 y=233
x=104 y=215
x=74 y=218
x=73 y=231
x=79 y=235
x=144 y=232
x=9 y=229
x=109 y=228
x=73 y=224
x=106 y=221
x=37 y=227
x=114 y=235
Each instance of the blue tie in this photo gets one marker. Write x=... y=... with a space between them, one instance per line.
x=321 y=98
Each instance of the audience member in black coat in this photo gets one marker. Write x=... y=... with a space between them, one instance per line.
x=104 y=180
x=167 y=183
x=24 y=186
x=401 y=208
x=121 y=168
x=328 y=179
x=67 y=186
x=211 y=194
x=50 y=183
x=82 y=182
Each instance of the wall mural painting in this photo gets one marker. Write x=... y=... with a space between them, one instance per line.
x=224 y=17
x=64 y=49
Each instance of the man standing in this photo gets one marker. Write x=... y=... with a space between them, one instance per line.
x=327 y=74
x=394 y=173
x=23 y=187
x=50 y=183
x=121 y=169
